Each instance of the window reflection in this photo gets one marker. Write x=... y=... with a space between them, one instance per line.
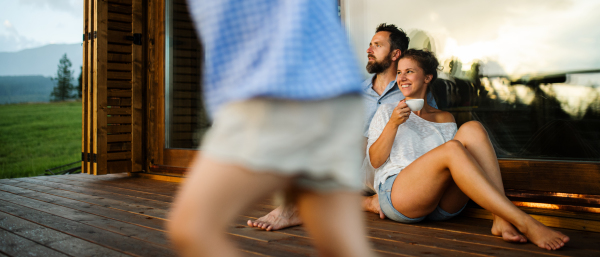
x=553 y=116
x=185 y=118
x=528 y=70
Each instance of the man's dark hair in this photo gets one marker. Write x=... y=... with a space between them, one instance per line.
x=398 y=39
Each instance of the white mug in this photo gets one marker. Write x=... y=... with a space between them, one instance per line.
x=415 y=104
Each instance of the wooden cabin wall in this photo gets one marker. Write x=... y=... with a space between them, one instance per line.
x=119 y=85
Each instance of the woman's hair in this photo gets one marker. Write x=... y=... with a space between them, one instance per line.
x=426 y=61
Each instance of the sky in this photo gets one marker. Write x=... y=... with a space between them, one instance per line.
x=512 y=36
x=33 y=23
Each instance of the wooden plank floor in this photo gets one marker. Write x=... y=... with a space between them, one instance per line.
x=117 y=215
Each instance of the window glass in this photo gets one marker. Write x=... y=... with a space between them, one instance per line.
x=529 y=71
x=185 y=118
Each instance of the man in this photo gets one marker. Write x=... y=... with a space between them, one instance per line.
x=384 y=51
x=286 y=117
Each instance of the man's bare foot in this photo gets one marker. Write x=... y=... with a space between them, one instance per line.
x=543 y=236
x=507 y=231
x=281 y=217
x=371 y=204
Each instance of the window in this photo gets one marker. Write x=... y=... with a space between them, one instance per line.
x=528 y=71
x=185 y=119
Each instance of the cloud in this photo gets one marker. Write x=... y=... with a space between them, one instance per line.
x=10 y=28
x=520 y=36
x=11 y=40
x=17 y=43
x=73 y=7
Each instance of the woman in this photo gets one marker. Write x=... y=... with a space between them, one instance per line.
x=426 y=168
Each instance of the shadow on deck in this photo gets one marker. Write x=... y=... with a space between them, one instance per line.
x=117 y=215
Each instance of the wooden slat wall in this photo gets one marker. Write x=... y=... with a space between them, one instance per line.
x=551 y=176
x=114 y=90
x=119 y=84
x=187 y=120
x=100 y=80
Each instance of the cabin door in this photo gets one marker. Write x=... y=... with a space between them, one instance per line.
x=177 y=120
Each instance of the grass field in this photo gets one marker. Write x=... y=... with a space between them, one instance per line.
x=36 y=137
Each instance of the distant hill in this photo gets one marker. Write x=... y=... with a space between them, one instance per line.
x=22 y=89
x=41 y=60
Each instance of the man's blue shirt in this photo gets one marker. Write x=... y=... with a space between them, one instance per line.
x=391 y=95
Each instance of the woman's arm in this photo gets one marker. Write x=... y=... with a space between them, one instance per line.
x=379 y=151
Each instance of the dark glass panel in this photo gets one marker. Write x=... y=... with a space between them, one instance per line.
x=553 y=116
x=185 y=118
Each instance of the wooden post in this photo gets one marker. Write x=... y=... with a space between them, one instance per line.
x=136 y=89
x=100 y=90
x=84 y=88
x=91 y=11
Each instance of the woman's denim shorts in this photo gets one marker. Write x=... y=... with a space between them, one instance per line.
x=385 y=202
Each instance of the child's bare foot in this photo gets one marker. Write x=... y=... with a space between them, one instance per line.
x=281 y=217
x=507 y=231
x=371 y=204
x=543 y=236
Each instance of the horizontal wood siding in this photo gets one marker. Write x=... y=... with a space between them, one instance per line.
x=119 y=75
x=551 y=176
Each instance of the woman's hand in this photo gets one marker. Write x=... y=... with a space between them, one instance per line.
x=379 y=152
x=400 y=114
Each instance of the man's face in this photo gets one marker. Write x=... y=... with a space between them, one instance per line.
x=379 y=54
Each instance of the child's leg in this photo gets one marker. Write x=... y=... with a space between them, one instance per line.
x=208 y=202
x=336 y=223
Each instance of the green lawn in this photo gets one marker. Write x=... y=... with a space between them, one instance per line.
x=36 y=137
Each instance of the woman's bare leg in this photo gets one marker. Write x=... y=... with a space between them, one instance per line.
x=419 y=188
x=476 y=140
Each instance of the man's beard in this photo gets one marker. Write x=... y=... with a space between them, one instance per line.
x=378 y=67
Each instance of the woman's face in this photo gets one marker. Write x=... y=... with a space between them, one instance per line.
x=411 y=79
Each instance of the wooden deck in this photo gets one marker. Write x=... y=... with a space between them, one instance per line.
x=117 y=215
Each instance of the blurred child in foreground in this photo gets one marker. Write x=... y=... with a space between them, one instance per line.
x=283 y=89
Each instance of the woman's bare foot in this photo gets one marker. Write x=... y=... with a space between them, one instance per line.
x=507 y=231
x=371 y=204
x=281 y=217
x=543 y=236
